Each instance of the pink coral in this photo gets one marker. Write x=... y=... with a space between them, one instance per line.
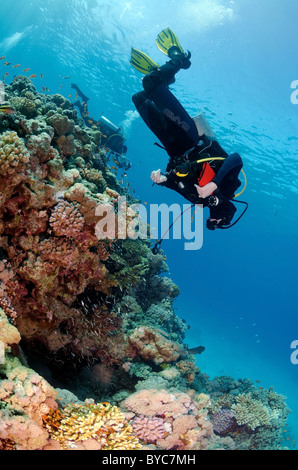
x=66 y=220
x=148 y=429
x=184 y=417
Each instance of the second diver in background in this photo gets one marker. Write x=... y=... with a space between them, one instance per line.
x=111 y=136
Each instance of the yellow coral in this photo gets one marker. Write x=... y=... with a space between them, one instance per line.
x=102 y=422
x=13 y=153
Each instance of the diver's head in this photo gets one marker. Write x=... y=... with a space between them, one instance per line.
x=221 y=214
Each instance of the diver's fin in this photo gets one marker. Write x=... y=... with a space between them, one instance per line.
x=142 y=62
x=166 y=40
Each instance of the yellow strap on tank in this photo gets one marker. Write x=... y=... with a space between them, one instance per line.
x=222 y=158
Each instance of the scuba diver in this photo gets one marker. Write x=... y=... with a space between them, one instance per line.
x=111 y=136
x=198 y=169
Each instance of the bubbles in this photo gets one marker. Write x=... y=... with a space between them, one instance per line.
x=130 y=117
x=205 y=14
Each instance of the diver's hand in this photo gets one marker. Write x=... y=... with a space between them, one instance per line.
x=157 y=177
x=207 y=190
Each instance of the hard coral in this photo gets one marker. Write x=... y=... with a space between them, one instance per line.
x=66 y=220
x=185 y=418
x=13 y=154
x=251 y=412
x=9 y=335
x=223 y=422
x=149 y=430
x=101 y=422
x=151 y=345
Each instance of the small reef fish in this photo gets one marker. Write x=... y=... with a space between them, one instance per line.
x=6 y=109
x=16 y=66
x=26 y=70
x=41 y=75
x=7 y=63
x=3 y=57
x=33 y=76
x=65 y=78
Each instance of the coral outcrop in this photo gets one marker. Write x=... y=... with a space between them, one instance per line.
x=173 y=420
x=89 y=311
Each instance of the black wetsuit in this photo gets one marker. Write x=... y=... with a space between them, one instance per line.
x=177 y=131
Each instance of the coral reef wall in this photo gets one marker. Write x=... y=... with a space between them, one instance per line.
x=84 y=318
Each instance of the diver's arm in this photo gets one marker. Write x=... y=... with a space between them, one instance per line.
x=233 y=161
x=162 y=179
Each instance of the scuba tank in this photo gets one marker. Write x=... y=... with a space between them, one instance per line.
x=114 y=138
x=108 y=127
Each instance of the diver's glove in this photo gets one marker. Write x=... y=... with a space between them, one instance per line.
x=158 y=177
x=182 y=58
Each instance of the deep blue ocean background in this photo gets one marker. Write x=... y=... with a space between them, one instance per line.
x=239 y=292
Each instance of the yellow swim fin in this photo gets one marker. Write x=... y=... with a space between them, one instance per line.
x=142 y=62
x=166 y=39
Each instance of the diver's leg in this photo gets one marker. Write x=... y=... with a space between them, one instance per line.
x=176 y=139
x=80 y=107
x=163 y=113
x=80 y=93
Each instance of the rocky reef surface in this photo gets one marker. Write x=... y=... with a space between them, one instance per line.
x=92 y=353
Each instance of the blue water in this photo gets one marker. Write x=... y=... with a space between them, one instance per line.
x=239 y=292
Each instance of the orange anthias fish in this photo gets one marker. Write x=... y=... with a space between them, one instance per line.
x=3 y=57
x=26 y=70
x=16 y=66
x=33 y=76
x=6 y=109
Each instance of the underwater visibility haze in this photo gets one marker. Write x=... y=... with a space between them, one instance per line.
x=94 y=329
